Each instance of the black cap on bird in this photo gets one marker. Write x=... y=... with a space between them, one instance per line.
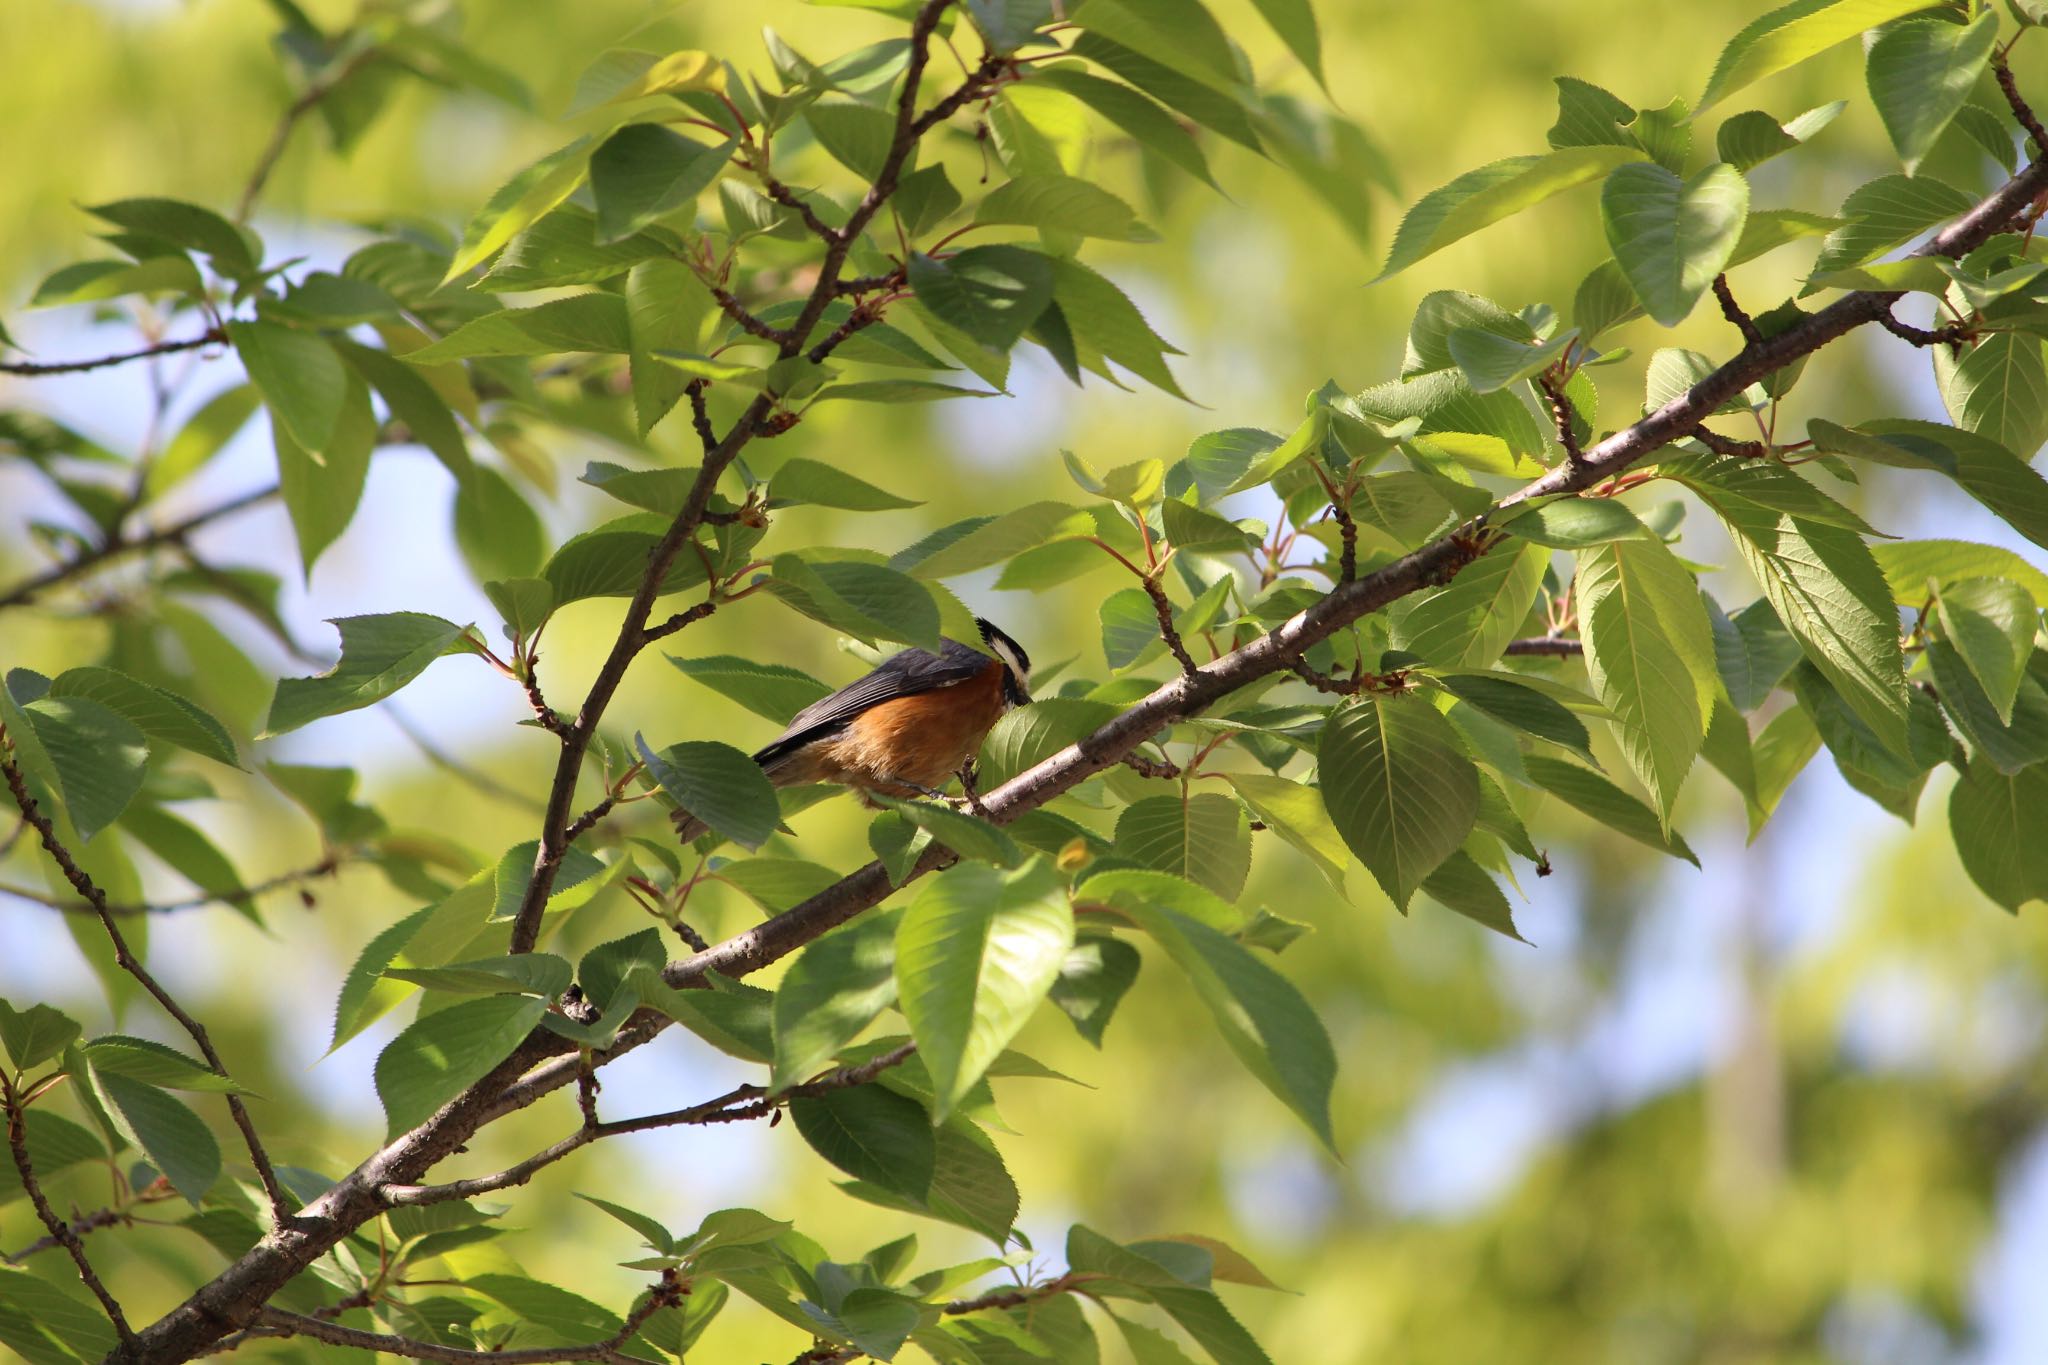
x=905 y=728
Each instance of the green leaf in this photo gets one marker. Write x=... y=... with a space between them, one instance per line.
x=976 y=952
x=1998 y=389
x=379 y=655
x=36 y=1034
x=541 y=974
x=823 y=485
x=1180 y=34
x=869 y=601
x=1102 y=316
x=612 y=561
x=365 y=992
x=1468 y=623
x=1295 y=22
x=562 y=249
x=1062 y=203
x=1003 y=538
x=1884 y=213
x=1672 y=237
x=1789 y=35
x=1827 y=589
x=1986 y=470
x=1130 y=628
x=835 y=988
x=201 y=438
x=1910 y=565
x=497 y=530
x=1752 y=651
x=441 y=1054
x=718 y=784
x=1295 y=812
x=595 y=321
x=1522 y=707
x=2014 y=741
x=1571 y=523
x=232 y=250
x=967 y=835
x=1920 y=73
x=644 y=172
x=1500 y=190
x=1138 y=117
x=872 y=1134
x=322 y=487
x=1749 y=139
x=1203 y=838
x=1092 y=981
x=732 y=1016
x=1399 y=787
x=774 y=691
x=1462 y=885
x=519 y=203
x=174 y=1138
x=855 y=133
x=415 y=402
x=992 y=293
x=301 y=378
x=1591 y=794
x=657 y=1236
x=1259 y=1012
x=56 y=1143
x=98 y=756
x=1650 y=656
x=156 y=711
x=1991 y=622
x=1995 y=820
x=92 y=281
x=1491 y=361
x=153 y=1064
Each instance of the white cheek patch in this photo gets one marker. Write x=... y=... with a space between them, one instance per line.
x=1009 y=656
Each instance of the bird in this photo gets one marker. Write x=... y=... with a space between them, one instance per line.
x=902 y=730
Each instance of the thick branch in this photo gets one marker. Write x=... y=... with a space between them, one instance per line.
x=280 y=1203
x=29 y=368
x=121 y=547
x=1546 y=646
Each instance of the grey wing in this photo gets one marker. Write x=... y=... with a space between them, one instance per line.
x=903 y=674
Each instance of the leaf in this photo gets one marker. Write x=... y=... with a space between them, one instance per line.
x=1138 y=117
x=302 y=379
x=835 y=988
x=1462 y=885
x=1484 y=196
x=968 y=835
x=1650 y=657
x=1295 y=22
x=99 y=757
x=440 y=1055
x=1062 y=203
x=1003 y=538
x=322 y=488
x=674 y=74
x=823 y=485
x=612 y=561
x=201 y=438
x=869 y=601
x=1749 y=139
x=1258 y=1011
x=232 y=250
x=156 y=711
x=56 y=1143
x=1995 y=820
x=379 y=655
x=153 y=1064
x=1910 y=565
x=1884 y=213
x=718 y=784
x=1920 y=73
x=1752 y=651
x=1469 y=623
x=1491 y=361
x=855 y=133
x=992 y=293
x=1824 y=585
x=774 y=691
x=1991 y=623
x=1295 y=812
x=1092 y=980
x=644 y=172
x=1986 y=470
x=1571 y=523
x=594 y=321
x=1203 y=838
x=1672 y=237
x=1102 y=316
x=872 y=1134
x=1522 y=707
x=1789 y=35
x=416 y=402
x=36 y=1034
x=976 y=952
x=365 y=992
x=1399 y=787
x=496 y=529
x=174 y=1138
x=1591 y=794
x=541 y=974
x=1180 y=34
x=50 y=1323
x=1998 y=389
x=2014 y=741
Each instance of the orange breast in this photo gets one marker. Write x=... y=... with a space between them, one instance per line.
x=922 y=739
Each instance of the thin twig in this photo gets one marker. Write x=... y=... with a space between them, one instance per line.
x=1546 y=646
x=120 y=547
x=1564 y=418
x=209 y=337
x=275 y=1322
x=2021 y=111
x=1728 y=445
x=687 y=617
x=700 y=414
x=240 y=895
x=1169 y=632
x=280 y=1202
x=747 y=322
x=280 y=135
x=1146 y=766
x=1950 y=332
x=80 y=1227
x=1732 y=311
x=17 y=1143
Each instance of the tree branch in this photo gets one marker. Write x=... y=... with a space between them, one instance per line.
x=1922 y=336
x=2021 y=111
x=280 y=1203
x=545 y=1062
x=17 y=1143
x=241 y=895
x=1547 y=646
x=1563 y=417
x=33 y=370
x=1168 y=632
x=275 y=1322
x=1732 y=311
x=79 y=1228
x=120 y=547
x=308 y=100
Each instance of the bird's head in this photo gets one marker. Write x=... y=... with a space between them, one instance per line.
x=1016 y=663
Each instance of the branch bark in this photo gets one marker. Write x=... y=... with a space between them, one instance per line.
x=34 y=370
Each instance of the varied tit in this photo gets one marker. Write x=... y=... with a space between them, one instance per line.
x=905 y=728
